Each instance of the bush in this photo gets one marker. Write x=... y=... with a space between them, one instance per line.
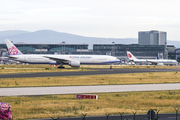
x=148 y=66
x=46 y=68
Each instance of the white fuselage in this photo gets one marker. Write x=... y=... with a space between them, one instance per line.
x=141 y=61
x=83 y=59
x=164 y=61
x=156 y=61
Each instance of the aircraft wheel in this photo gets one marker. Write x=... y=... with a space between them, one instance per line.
x=61 y=67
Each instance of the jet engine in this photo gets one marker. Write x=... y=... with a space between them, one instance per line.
x=74 y=63
x=160 y=64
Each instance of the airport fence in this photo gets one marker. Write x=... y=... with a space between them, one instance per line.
x=151 y=115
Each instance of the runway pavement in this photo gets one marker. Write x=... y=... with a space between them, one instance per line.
x=78 y=73
x=86 y=89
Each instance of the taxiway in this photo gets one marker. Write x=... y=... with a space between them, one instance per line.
x=86 y=89
x=78 y=73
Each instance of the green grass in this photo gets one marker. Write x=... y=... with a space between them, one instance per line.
x=113 y=79
x=55 y=106
x=7 y=69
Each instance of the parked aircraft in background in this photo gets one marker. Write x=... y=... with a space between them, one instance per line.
x=151 y=61
x=72 y=60
x=131 y=57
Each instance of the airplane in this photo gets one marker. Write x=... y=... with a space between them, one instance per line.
x=72 y=60
x=159 y=62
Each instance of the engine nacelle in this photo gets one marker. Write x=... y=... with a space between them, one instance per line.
x=74 y=63
x=160 y=64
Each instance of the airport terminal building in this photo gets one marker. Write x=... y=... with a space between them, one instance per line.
x=50 y=48
x=140 y=51
x=151 y=44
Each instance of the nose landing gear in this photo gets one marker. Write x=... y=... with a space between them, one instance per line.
x=111 y=67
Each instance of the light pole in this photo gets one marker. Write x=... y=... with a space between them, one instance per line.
x=113 y=48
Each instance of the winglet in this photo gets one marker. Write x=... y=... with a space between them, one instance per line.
x=12 y=48
x=131 y=56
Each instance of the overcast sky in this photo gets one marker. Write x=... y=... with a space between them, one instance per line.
x=93 y=18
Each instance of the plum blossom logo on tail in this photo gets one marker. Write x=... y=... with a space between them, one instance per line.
x=130 y=56
x=13 y=50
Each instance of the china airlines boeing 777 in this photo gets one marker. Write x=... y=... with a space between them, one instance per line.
x=72 y=60
x=152 y=61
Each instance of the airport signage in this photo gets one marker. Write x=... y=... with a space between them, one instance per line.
x=82 y=96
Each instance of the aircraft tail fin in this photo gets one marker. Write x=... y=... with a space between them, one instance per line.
x=12 y=48
x=131 y=56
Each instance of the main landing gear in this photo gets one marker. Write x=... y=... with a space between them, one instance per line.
x=61 y=66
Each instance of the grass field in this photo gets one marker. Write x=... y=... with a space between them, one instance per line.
x=107 y=103
x=113 y=79
x=6 y=69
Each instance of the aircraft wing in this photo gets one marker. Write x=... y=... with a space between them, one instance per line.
x=153 y=62
x=56 y=59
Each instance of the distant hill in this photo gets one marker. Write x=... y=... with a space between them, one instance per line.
x=50 y=36
x=11 y=33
